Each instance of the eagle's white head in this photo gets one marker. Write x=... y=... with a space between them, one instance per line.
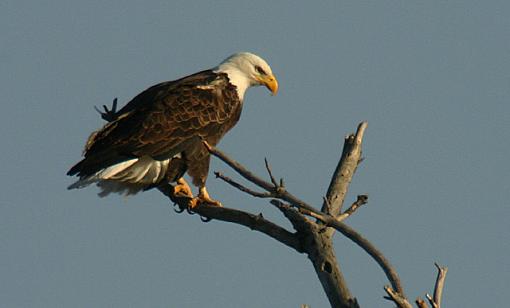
x=245 y=70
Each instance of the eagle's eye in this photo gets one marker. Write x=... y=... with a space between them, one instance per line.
x=260 y=70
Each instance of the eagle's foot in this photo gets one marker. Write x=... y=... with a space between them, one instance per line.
x=182 y=188
x=200 y=200
x=203 y=197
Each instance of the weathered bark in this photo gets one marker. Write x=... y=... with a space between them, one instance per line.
x=438 y=289
x=342 y=177
x=254 y=222
x=322 y=254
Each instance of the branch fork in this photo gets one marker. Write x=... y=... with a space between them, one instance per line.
x=312 y=237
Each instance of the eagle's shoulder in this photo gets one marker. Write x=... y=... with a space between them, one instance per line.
x=165 y=91
x=167 y=114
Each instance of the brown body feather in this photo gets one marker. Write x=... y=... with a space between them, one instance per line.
x=165 y=120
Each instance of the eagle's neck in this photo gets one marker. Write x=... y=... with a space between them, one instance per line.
x=236 y=77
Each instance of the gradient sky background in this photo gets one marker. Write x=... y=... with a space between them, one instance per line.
x=432 y=78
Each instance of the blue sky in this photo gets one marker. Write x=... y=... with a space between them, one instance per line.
x=431 y=78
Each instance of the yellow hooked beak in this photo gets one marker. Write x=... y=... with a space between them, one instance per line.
x=270 y=82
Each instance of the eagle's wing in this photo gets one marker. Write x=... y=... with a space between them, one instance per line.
x=160 y=122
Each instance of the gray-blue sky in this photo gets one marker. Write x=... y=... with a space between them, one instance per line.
x=431 y=78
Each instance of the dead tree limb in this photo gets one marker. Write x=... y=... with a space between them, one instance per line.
x=319 y=244
x=351 y=156
x=252 y=221
x=421 y=303
x=366 y=245
x=435 y=301
x=438 y=289
x=318 y=241
x=322 y=255
x=397 y=298
x=278 y=191
x=312 y=236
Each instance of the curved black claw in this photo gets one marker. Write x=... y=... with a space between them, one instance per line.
x=178 y=209
x=205 y=219
x=190 y=211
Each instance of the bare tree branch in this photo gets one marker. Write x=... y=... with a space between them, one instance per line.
x=362 y=199
x=318 y=246
x=312 y=237
x=321 y=239
x=243 y=188
x=421 y=303
x=366 y=245
x=397 y=298
x=322 y=255
x=299 y=222
x=254 y=222
x=438 y=289
x=431 y=301
x=435 y=302
x=351 y=156
x=280 y=191
x=268 y=168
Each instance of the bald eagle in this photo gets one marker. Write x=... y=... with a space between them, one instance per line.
x=158 y=135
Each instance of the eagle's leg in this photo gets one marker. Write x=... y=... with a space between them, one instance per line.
x=182 y=188
x=203 y=197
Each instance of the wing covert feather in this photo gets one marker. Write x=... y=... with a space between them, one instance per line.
x=166 y=119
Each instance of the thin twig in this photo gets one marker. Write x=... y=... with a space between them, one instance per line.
x=397 y=298
x=362 y=199
x=242 y=187
x=431 y=301
x=282 y=193
x=421 y=303
x=268 y=168
x=300 y=223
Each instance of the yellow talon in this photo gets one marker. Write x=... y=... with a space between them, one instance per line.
x=203 y=197
x=182 y=188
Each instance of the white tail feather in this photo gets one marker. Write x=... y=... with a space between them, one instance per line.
x=111 y=171
x=127 y=177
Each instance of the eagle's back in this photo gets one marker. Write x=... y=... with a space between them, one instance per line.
x=163 y=121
